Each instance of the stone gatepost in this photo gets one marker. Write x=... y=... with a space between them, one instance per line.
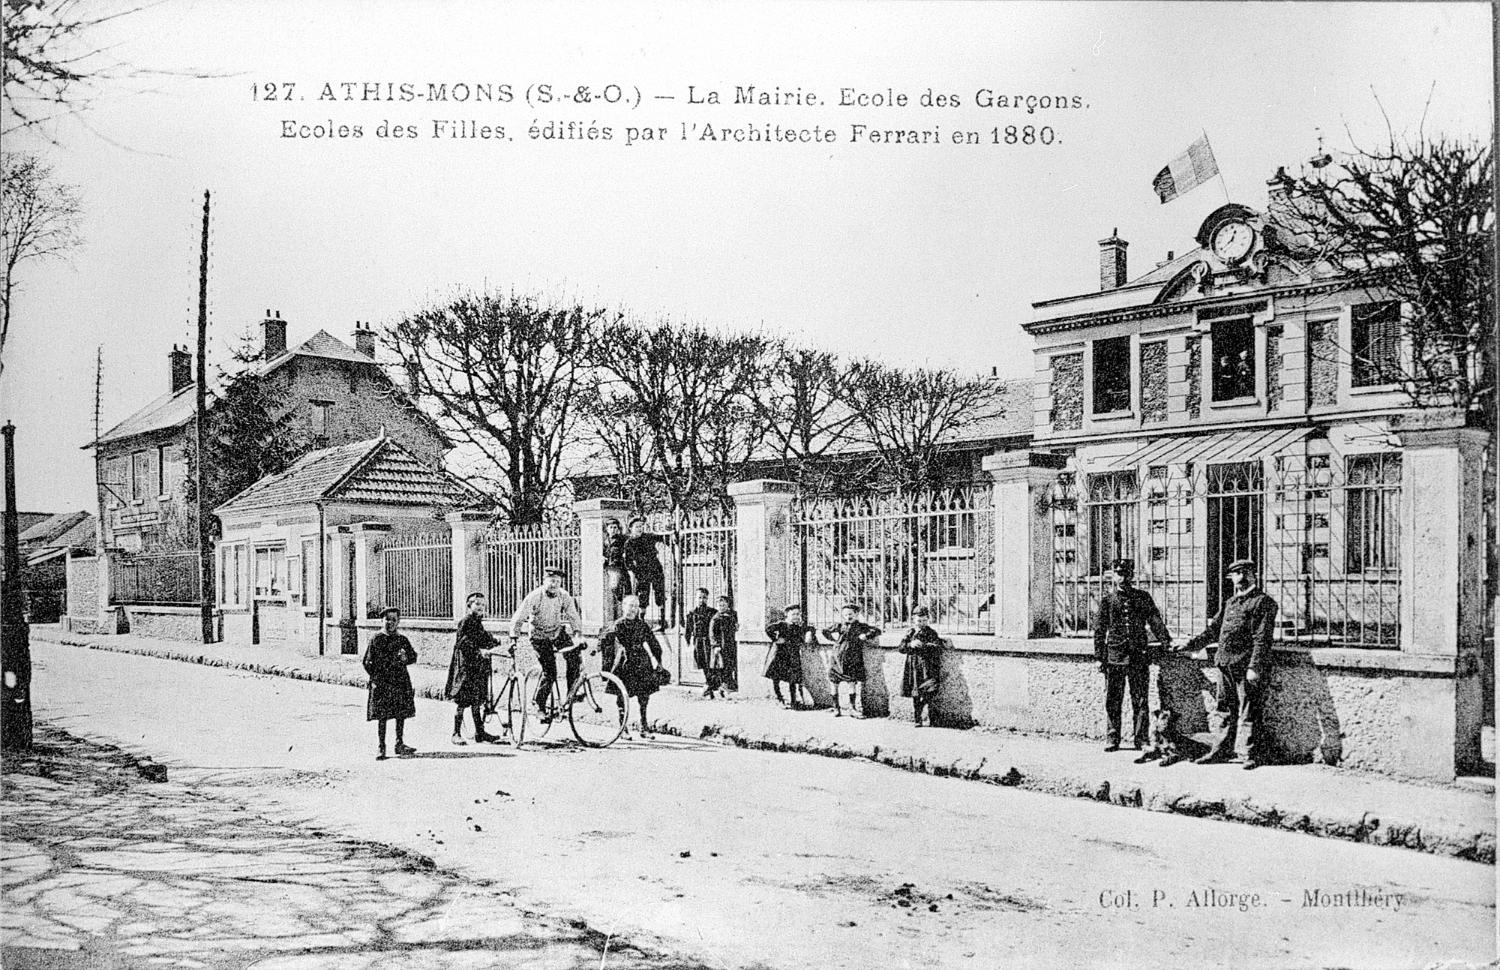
x=469 y=568
x=369 y=582
x=764 y=540
x=1023 y=541
x=594 y=601
x=1442 y=592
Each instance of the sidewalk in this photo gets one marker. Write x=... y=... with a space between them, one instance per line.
x=1317 y=799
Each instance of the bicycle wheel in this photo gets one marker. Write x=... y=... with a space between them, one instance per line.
x=515 y=709
x=597 y=712
x=547 y=714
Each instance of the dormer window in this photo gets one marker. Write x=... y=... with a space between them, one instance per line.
x=1234 y=359
x=1111 y=383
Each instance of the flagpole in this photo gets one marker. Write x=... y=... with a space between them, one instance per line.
x=1217 y=171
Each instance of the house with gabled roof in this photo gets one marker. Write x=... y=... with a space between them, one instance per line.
x=270 y=563
x=331 y=392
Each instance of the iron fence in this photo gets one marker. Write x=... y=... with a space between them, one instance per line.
x=416 y=572
x=1325 y=530
x=516 y=558
x=163 y=579
x=701 y=553
x=889 y=554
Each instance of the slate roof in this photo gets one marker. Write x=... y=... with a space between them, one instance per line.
x=378 y=471
x=64 y=530
x=172 y=410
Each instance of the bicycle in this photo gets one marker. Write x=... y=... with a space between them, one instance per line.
x=597 y=719
x=510 y=697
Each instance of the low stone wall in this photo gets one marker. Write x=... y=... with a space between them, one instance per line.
x=1374 y=710
x=171 y=622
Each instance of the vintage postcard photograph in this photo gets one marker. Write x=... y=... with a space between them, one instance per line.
x=804 y=484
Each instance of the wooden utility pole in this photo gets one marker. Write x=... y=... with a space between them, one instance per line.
x=205 y=544
x=101 y=562
x=15 y=636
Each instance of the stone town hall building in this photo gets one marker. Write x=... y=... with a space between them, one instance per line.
x=1240 y=401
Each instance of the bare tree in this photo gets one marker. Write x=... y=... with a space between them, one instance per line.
x=807 y=418
x=614 y=428
x=38 y=220
x=691 y=389
x=501 y=374
x=1415 y=221
x=909 y=416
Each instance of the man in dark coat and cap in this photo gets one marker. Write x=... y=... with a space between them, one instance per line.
x=1243 y=629
x=469 y=670
x=1125 y=619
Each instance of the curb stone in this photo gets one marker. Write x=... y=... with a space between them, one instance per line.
x=1439 y=838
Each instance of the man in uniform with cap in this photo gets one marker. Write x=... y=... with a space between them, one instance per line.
x=553 y=615
x=1126 y=616
x=1243 y=631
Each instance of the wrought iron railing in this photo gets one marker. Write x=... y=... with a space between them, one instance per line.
x=416 y=572
x=516 y=559
x=162 y=579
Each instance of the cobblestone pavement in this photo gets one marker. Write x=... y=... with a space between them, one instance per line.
x=102 y=868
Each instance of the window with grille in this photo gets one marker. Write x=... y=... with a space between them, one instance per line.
x=1111 y=375
x=1375 y=344
x=1372 y=535
x=1112 y=519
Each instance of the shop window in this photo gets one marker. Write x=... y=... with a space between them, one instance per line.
x=270 y=571
x=1111 y=375
x=1234 y=359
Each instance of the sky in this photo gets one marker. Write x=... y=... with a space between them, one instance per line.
x=918 y=254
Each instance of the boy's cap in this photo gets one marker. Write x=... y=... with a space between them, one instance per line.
x=851 y=606
x=921 y=611
x=1246 y=566
x=387 y=611
x=792 y=606
x=1123 y=566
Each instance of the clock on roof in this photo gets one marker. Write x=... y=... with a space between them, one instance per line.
x=1233 y=240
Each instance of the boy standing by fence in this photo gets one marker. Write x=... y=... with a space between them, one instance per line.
x=785 y=660
x=919 y=679
x=723 y=631
x=469 y=670
x=699 y=619
x=391 y=695
x=847 y=665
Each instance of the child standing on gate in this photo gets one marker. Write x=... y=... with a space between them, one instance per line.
x=699 y=619
x=847 y=665
x=785 y=660
x=391 y=695
x=919 y=679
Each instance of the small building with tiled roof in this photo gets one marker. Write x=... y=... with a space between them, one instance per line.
x=269 y=560
x=330 y=393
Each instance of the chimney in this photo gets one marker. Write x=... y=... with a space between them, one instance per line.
x=1112 y=261
x=364 y=339
x=274 y=329
x=180 y=363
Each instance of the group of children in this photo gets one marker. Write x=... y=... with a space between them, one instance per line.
x=712 y=635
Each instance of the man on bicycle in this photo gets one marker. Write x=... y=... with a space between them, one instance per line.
x=553 y=615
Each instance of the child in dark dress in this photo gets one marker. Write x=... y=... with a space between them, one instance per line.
x=785 y=660
x=919 y=679
x=391 y=695
x=847 y=665
x=723 y=631
x=699 y=619
x=469 y=671
x=631 y=652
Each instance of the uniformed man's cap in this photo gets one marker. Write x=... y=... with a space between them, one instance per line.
x=555 y=571
x=1246 y=566
x=921 y=611
x=388 y=611
x=1124 y=566
x=851 y=606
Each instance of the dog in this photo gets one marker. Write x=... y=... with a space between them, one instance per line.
x=1168 y=743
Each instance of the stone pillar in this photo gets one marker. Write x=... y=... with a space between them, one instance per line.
x=1023 y=541
x=594 y=601
x=764 y=542
x=469 y=571
x=369 y=582
x=1442 y=555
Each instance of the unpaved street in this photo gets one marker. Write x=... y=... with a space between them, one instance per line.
x=737 y=858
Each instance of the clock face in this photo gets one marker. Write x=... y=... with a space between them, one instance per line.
x=1232 y=241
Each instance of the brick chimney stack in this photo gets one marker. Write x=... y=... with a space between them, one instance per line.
x=364 y=339
x=180 y=364
x=274 y=329
x=1112 y=261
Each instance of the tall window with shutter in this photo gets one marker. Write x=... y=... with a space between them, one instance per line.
x=1375 y=344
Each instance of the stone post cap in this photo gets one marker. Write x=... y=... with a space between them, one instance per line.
x=371 y=527
x=1005 y=464
x=762 y=486
x=468 y=517
x=1434 y=423
x=596 y=507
